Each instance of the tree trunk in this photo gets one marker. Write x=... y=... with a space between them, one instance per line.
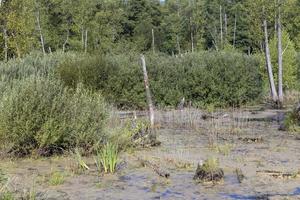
x=221 y=26
x=280 y=67
x=153 y=42
x=66 y=41
x=40 y=32
x=234 y=31
x=5 y=44
x=17 y=46
x=269 y=64
x=192 y=35
x=148 y=93
x=86 y=41
x=225 y=25
x=178 y=45
x=82 y=38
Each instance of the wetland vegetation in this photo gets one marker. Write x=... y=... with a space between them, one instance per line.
x=149 y=99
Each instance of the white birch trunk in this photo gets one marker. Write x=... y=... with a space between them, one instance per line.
x=40 y=32
x=280 y=59
x=86 y=41
x=269 y=64
x=221 y=26
x=153 y=42
x=234 y=31
x=192 y=36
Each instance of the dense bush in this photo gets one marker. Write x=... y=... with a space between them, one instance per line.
x=219 y=78
x=118 y=77
x=39 y=114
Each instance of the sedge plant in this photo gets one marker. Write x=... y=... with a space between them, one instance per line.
x=107 y=158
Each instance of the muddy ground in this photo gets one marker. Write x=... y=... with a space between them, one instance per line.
x=245 y=140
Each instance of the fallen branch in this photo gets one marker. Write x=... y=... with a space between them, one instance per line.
x=279 y=174
x=161 y=172
x=251 y=140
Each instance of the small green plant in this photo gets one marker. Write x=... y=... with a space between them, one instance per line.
x=107 y=158
x=80 y=162
x=3 y=178
x=223 y=149
x=210 y=165
x=6 y=195
x=56 y=178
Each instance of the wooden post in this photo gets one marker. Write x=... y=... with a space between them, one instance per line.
x=148 y=93
x=40 y=32
x=280 y=58
x=269 y=64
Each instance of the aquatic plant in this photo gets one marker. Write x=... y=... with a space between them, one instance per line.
x=107 y=158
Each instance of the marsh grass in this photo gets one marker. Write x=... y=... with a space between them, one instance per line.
x=81 y=164
x=107 y=158
x=224 y=149
x=56 y=178
x=292 y=121
x=210 y=165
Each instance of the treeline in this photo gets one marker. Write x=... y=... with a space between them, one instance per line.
x=169 y=26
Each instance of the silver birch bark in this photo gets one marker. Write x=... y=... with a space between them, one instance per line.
x=40 y=32
x=153 y=42
x=269 y=64
x=280 y=59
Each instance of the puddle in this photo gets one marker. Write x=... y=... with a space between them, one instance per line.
x=296 y=192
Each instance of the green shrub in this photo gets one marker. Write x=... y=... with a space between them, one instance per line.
x=40 y=114
x=292 y=121
x=117 y=76
x=218 y=78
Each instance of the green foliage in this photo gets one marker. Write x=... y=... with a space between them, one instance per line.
x=6 y=195
x=118 y=26
x=292 y=121
x=39 y=114
x=290 y=80
x=123 y=136
x=210 y=165
x=107 y=158
x=219 y=78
